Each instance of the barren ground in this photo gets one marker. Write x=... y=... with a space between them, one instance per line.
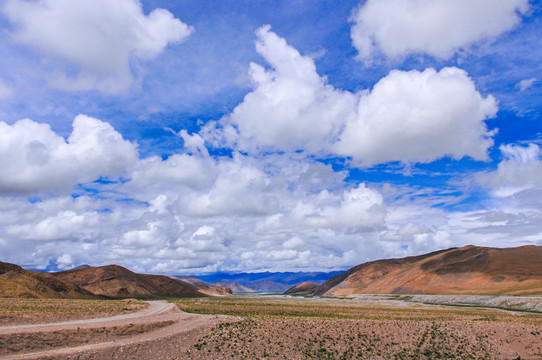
x=298 y=328
x=135 y=334
x=33 y=311
x=277 y=327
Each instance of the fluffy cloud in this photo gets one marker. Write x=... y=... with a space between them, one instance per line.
x=274 y=213
x=100 y=38
x=417 y=116
x=397 y=28
x=356 y=208
x=65 y=261
x=34 y=158
x=176 y=172
x=408 y=116
x=291 y=107
x=520 y=170
x=169 y=222
x=239 y=189
x=65 y=225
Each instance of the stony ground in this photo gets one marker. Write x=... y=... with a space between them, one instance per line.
x=33 y=311
x=276 y=327
x=153 y=332
x=342 y=329
x=521 y=303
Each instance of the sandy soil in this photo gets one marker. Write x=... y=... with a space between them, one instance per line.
x=285 y=328
x=315 y=338
x=15 y=311
x=103 y=338
x=299 y=328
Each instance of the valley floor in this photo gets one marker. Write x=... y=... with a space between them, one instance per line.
x=377 y=327
x=282 y=327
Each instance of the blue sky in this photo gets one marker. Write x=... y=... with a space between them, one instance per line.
x=230 y=136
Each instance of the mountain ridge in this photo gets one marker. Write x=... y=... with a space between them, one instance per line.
x=466 y=270
x=118 y=281
x=16 y=282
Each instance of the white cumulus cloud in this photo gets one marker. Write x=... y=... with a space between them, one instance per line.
x=64 y=225
x=34 y=158
x=397 y=28
x=99 y=38
x=520 y=170
x=413 y=116
x=408 y=116
x=356 y=208
x=291 y=107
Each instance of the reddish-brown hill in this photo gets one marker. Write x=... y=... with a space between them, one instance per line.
x=117 y=281
x=235 y=287
x=306 y=288
x=203 y=286
x=367 y=272
x=467 y=270
x=15 y=282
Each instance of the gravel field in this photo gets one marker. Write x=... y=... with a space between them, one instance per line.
x=381 y=328
x=283 y=327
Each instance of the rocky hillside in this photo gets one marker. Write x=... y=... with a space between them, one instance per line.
x=15 y=282
x=117 y=281
x=235 y=287
x=203 y=286
x=305 y=288
x=467 y=270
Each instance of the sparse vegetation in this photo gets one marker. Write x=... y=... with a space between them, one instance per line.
x=341 y=329
x=32 y=342
x=19 y=311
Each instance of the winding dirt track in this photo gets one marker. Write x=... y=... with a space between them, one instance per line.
x=157 y=311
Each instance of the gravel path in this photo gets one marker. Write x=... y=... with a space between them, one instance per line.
x=158 y=311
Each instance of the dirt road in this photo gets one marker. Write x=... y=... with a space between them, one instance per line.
x=161 y=319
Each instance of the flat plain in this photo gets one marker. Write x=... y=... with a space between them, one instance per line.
x=305 y=328
x=16 y=311
x=280 y=327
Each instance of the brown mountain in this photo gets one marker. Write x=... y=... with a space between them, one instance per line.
x=15 y=282
x=203 y=286
x=235 y=287
x=197 y=282
x=306 y=288
x=117 y=281
x=467 y=270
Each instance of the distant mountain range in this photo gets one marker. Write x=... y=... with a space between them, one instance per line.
x=467 y=270
x=268 y=281
x=114 y=281
x=111 y=281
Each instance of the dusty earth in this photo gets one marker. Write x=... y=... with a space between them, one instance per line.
x=298 y=328
x=140 y=335
x=275 y=327
x=17 y=311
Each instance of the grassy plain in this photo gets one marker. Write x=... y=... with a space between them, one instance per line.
x=25 y=311
x=299 y=328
